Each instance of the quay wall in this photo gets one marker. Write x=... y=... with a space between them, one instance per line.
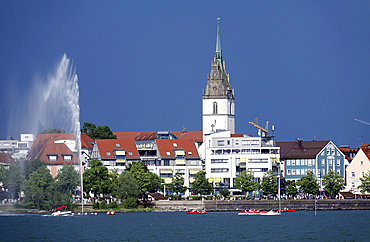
x=241 y=205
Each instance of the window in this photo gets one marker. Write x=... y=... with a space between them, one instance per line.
x=166 y=163
x=302 y=172
x=305 y=162
x=309 y=162
x=67 y=158
x=117 y=145
x=168 y=153
x=236 y=142
x=330 y=162
x=174 y=144
x=190 y=153
x=332 y=152
x=228 y=142
x=322 y=162
x=52 y=157
x=220 y=142
x=219 y=170
x=293 y=171
x=338 y=171
x=108 y=153
x=293 y=162
x=361 y=163
x=255 y=142
x=327 y=152
x=353 y=185
x=298 y=172
x=130 y=153
x=298 y=163
x=338 y=162
x=288 y=162
x=353 y=174
x=323 y=172
x=246 y=142
x=213 y=161
x=363 y=174
x=288 y=172
x=214 y=108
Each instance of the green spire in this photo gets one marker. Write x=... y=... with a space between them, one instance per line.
x=218 y=43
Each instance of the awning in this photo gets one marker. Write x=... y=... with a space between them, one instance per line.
x=210 y=179
x=165 y=171
x=120 y=152
x=218 y=179
x=121 y=161
x=61 y=207
x=243 y=159
x=193 y=171
x=167 y=180
x=180 y=162
x=179 y=152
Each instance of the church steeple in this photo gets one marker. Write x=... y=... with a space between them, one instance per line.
x=218 y=43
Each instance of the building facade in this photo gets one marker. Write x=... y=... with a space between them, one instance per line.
x=358 y=168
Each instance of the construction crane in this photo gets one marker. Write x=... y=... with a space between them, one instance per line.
x=361 y=121
x=264 y=130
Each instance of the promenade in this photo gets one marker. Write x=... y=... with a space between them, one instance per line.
x=240 y=205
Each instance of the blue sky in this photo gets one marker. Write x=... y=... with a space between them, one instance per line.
x=142 y=65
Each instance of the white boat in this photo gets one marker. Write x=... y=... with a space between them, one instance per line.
x=250 y=212
x=269 y=213
x=62 y=212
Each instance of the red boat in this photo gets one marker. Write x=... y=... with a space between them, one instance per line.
x=197 y=212
x=287 y=210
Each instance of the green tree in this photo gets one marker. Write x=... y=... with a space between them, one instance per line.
x=53 y=131
x=201 y=185
x=14 y=181
x=39 y=188
x=225 y=192
x=3 y=174
x=100 y=132
x=333 y=182
x=126 y=186
x=68 y=179
x=177 y=184
x=31 y=166
x=245 y=181
x=97 y=179
x=308 y=184
x=269 y=183
x=365 y=183
x=291 y=188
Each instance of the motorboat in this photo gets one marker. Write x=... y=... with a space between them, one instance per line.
x=197 y=212
x=250 y=212
x=287 y=210
x=62 y=212
x=269 y=213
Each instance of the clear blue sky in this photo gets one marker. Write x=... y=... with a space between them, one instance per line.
x=142 y=65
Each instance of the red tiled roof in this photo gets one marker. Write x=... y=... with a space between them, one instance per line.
x=308 y=149
x=5 y=158
x=107 y=147
x=85 y=141
x=170 y=145
x=58 y=149
x=137 y=136
x=367 y=152
x=197 y=135
x=236 y=135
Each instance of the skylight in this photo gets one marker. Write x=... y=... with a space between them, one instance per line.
x=174 y=144
x=108 y=153
x=168 y=153
x=117 y=145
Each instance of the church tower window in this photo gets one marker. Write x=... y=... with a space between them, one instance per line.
x=214 y=108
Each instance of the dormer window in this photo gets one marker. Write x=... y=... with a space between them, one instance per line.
x=67 y=157
x=53 y=158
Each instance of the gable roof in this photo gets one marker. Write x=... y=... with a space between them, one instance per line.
x=166 y=148
x=5 y=158
x=366 y=152
x=107 y=148
x=307 y=149
x=58 y=149
x=197 y=135
x=86 y=141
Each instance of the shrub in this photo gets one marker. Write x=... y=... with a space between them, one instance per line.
x=103 y=205
x=95 y=205
x=130 y=203
x=113 y=204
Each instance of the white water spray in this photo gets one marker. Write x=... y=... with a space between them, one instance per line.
x=53 y=103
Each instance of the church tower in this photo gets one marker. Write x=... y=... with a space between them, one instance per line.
x=218 y=104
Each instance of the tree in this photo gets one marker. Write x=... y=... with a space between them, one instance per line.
x=308 y=183
x=53 y=131
x=14 y=180
x=177 y=184
x=269 y=183
x=201 y=185
x=291 y=188
x=126 y=186
x=3 y=174
x=225 y=192
x=96 y=179
x=245 y=181
x=67 y=179
x=31 y=166
x=365 y=183
x=333 y=182
x=39 y=188
x=100 y=132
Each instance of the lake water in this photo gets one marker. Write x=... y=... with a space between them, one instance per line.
x=352 y=225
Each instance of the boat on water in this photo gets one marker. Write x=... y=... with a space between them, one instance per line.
x=269 y=213
x=250 y=212
x=61 y=211
x=287 y=210
x=197 y=212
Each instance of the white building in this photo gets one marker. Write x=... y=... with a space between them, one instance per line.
x=18 y=149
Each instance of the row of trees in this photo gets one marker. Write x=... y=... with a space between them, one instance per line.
x=41 y=190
